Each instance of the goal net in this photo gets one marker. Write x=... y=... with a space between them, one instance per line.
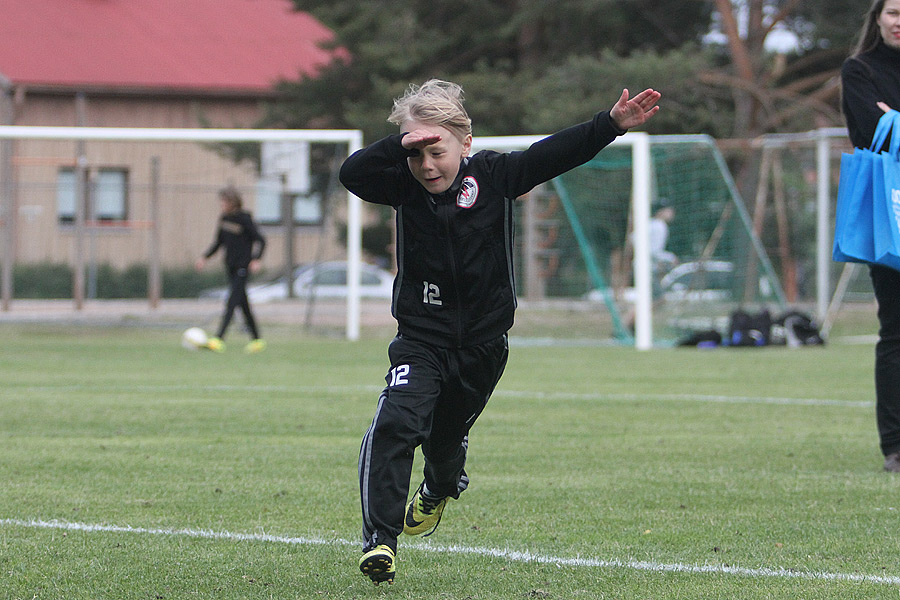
x=587 y=236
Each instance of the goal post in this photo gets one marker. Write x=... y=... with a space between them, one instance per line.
x=39 y=156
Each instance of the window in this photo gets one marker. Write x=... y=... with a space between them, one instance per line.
x=307 y=208
x=108 y=189
x=65 y=195
x=287 y=166
x=111 y=195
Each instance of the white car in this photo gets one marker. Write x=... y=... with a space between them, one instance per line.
x=698 y=281
x=321 y=280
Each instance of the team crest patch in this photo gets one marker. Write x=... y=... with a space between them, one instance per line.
x=468 y=192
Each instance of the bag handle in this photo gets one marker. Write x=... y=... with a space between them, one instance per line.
x=894 y=149
x=886 y=123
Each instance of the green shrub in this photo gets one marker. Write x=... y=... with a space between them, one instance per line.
x=50 y=280
x=43 y=280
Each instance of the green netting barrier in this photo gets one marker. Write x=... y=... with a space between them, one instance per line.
x=721 y=265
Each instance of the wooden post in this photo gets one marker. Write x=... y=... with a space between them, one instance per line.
x=154 y=279
x=759 y=217
x=788 y=266
x=287 y=213
x=80 y=199
x=7 y=198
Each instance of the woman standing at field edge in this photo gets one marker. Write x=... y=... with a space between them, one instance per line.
x=870 y=80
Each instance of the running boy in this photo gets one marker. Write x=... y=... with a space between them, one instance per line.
x=454 y=294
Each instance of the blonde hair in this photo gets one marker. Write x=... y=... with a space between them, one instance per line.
x=435 y=102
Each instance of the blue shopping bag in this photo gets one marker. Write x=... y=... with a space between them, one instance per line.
x=854 y=234
x=886 y=206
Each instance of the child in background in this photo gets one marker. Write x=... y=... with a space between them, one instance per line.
x=244 y=245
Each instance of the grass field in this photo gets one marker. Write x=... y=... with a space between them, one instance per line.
x=131 y=468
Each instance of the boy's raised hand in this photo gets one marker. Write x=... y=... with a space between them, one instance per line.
x=418 y=139
x=628 y=113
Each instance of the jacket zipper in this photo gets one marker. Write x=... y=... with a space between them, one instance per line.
x=444 y=211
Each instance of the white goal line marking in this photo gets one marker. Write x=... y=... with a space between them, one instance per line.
x=501 y=393
x=506 y=554
x=692 y=398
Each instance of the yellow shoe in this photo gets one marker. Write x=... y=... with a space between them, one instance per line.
x=378 y=564
x=255 y=346
x=423 y=513
x=215 y=344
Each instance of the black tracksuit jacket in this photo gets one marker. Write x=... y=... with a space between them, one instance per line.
x=242 y=240
x=455 y=285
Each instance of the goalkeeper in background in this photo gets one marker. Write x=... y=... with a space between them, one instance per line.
x=454 y=294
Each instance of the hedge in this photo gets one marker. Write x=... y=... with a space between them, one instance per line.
x=51 y=280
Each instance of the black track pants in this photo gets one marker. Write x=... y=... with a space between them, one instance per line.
x=237 y=298
x=886 y=283
x=432 y=398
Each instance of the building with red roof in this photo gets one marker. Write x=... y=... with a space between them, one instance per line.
x=140 y=63
x=221 y=55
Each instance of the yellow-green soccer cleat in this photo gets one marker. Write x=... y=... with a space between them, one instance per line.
x=423 y=513
x=378 y=564
x=255 y=346
x=215 y=344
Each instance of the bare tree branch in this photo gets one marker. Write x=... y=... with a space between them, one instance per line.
x=804 y=84
x=820 y=101
x=794 y=101
x=782 y=14
x=739 y=54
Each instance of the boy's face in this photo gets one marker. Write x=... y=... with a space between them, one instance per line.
x=437 y=164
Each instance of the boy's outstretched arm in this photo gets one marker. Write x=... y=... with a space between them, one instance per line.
x=628 y=113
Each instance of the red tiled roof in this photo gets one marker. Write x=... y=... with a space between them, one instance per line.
x=216 y=45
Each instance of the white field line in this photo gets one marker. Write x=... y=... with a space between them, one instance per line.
x=693 y=398
x=500 y=393
x=498 y=553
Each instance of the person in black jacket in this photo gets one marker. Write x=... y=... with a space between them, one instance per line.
x=454 y=293
x=244 y=246
x=870 y=80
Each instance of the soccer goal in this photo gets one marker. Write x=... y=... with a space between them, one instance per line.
x=88 y=197
x=589 y=234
